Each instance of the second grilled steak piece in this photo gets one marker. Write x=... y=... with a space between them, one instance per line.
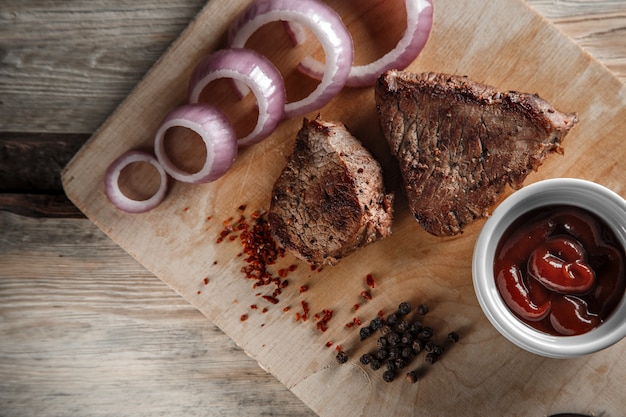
x=329 y=200
x=459 y=142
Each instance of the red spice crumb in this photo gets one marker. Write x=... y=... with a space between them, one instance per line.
x=323 y=320
x=357 y=321
x=264 y=310
x=349 y=325
x=228 y=220
x=254 y=307
x=381 y=313
x=366 y=294
x=282 y=272
x=292 y=267
x=303 y=288
x=270 y=298
x=355 y=307
x=329 y=344
x=206 y=281
x=243 y=317
x=186 y=209
x=199 y=292
x=369 y=280
x=305 y=309
x=284 y=284
x=317 y=316
x=242 y=208
x=214 y=262
x=297 y=316
x=338 y=348
x=286 y=309
x=263 y=325
x=208 y=218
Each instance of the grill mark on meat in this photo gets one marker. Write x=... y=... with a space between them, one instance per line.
x=329 y=200
x=458 y=143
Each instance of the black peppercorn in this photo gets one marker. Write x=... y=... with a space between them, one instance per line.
x=431 y=358
x=392 y=319
x=404 y=308
x=393 y=339
x=376 y=324
x=382 y=343
x=382 y=354
x=407 y=338
x=366 y=358
x=429 y=346
x=342 y=357
x=411 y=377
x=407 y=353
x=453 y=337
x=388 y=376
x=395 y=353
x=416 y=327
x=422 y=309
x=404 y=325
x=418 y=346
x=365 y=332
x=375 y=364
x=385 y=330
x=426 y=333
x=438 y=350
x=391 y=366
x=401 y=363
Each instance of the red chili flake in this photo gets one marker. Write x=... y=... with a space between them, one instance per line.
x=338 y=348
x=284 y=284
x=329 y=344
x=305 y=309
x=242 y=208
x=186 y=209
x=349 y=325
x=271 y=299
x=303 y=288
x=369 y=280
x=286 y=309
x=381 y=313
x=264 y=310
x=282 y=272
x=357 y=321
x=297 y=316
x=366 y=294
x=355 y=307
x=199 y=292
x=323 y=320
x=317 y=316
x=292 y=267
x=208 y=218
x=243 y=317
x=254 y=307
x=227 y=221
x=206 y=281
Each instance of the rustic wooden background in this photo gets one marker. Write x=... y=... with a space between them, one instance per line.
x=84 y=329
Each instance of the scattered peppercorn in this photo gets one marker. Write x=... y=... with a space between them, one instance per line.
x=388 y=376
x=382 y=354
x=438 y=350
x=407 y=353
x=422 y=309
x=393 y=339
x=364 y=333
x=395 y=353
x=382 y=343
x=342 y=357
x=376 y=324
x=404 y=308
x=375 y=364
x=429 y=346
x=426 y=333
x=366 y=358
x=431 y=358
x=411 y=377
x=416 y=327
x=391 y=365
x=453 y=337
x=385 y=330
x=418 y=346
x=392 y=319
x=401 y=363
x=407 y=338
x=403 y=326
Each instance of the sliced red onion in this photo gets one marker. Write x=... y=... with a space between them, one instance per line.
x=216 y=132
x=418 y=26
x=325 y=24
x=112 y=186
x=255 y=71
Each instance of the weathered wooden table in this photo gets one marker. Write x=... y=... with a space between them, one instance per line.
x=85 y=329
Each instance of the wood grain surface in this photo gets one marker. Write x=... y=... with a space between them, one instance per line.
x=86 y=330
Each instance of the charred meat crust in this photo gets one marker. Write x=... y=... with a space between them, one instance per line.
x=459 y=142
x=329 y=200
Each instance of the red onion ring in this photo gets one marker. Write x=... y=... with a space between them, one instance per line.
x=255 y=71
x=325 y=24
x=112 y=186
x=216 y=132
x=418 y=26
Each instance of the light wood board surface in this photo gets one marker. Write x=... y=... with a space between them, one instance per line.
x=437 y=285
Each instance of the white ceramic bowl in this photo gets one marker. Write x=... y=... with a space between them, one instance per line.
x=562 y=191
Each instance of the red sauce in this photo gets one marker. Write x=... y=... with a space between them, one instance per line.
x=561 y=270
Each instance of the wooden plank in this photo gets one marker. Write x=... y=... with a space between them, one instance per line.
x=86 y=330
x=177 y=241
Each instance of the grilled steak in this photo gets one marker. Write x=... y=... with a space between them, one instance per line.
x=329 y=200
x=459 y=142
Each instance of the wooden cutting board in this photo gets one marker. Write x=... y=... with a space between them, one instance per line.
x=503 y=43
